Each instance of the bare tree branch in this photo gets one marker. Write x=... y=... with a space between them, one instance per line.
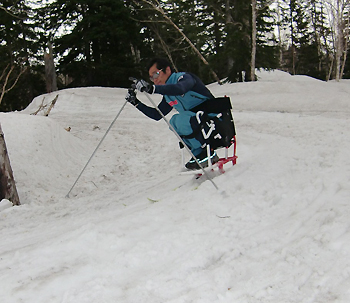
x=4 y=88
x=159 y=9
x=4 y=72
x=11 y=13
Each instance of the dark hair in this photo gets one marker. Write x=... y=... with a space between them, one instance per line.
x=161 y=64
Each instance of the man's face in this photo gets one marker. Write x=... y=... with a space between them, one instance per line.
x=159 y=77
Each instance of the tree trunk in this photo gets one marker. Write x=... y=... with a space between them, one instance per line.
x=7 y=183
x=345 y=42
x=338 y=38
x=280 y=44
x=292 y=37
x=50 y=72
x=253 y=54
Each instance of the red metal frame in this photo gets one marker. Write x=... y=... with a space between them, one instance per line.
x=222 y=161
x=232 y=159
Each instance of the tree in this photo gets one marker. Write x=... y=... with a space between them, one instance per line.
x=253 y=54
x=7 y=82
x=155 y=5
x=263 y=50
x=339 y=16
x=304 y=52
x=21 y=79
x=238 y=40
x=250 y=39
x=102 y=44
x=320 y=39
x=8 y=188
x=50 y=72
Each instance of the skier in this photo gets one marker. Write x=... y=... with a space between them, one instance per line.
x=185 y=92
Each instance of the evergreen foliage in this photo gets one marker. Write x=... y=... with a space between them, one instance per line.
x=18 y=51
x=104 y=42
x=102 y=45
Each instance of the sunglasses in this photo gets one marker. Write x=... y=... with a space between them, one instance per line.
x=155 y=75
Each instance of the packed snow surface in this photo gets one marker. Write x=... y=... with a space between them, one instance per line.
x=134 y=230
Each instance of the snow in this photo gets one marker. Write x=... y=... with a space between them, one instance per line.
x=4 y=203
x=134 y=230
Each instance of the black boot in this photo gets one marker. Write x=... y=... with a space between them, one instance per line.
x=202 y=159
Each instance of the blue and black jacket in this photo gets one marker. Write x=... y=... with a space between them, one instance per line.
x=182 y=91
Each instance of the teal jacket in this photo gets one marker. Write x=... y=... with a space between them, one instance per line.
x=182 y=91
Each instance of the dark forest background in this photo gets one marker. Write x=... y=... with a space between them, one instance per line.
x=104 y=42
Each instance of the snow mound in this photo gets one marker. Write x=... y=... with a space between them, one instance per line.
x=278 y=91
x=281 y=76
x=76 y=100
x=273 y=75
x=52 y=154
x=133 y=230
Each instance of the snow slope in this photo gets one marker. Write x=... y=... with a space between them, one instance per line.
x=134 y=230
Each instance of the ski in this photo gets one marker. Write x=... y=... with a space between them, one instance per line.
x=218 y=166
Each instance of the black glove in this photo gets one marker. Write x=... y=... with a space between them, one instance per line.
x=144 y=86
x=131 y=97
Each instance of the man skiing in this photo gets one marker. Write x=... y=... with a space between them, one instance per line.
x=183 y=91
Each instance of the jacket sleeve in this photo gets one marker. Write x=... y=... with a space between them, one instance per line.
x=152 y=112
x=185 y=83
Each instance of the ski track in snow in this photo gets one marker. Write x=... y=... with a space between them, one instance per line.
x=133 y=230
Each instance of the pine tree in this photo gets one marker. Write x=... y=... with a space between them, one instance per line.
x=101 y=45
x=267 y=49
x=306 y=53
x=17 y=48
x=238 y=44
x=319 y=61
